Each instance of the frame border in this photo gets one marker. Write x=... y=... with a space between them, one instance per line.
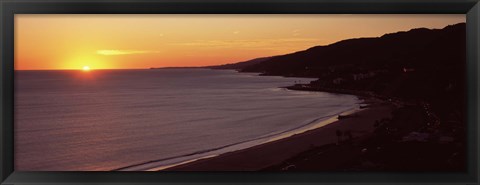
x=8 y=8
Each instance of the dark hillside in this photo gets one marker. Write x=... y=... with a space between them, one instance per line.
x=421 y=66
x=240 y=65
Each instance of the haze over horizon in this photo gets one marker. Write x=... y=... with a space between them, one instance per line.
x=57 y=42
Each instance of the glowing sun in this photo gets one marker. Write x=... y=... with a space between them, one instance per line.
x=86 y=68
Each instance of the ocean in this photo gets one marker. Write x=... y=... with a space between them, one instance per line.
x=104 y=120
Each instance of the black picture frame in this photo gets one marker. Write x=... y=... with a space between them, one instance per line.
x=9 y=8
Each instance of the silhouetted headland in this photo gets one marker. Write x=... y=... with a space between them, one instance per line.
x=175 y=67
x=413 y=83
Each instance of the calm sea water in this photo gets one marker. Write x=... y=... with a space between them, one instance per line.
x=141 y=119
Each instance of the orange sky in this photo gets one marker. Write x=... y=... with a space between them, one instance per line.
x=144 y=41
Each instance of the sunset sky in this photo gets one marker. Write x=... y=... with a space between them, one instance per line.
x=144 y=41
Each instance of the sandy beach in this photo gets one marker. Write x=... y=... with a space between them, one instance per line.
x=275 y=152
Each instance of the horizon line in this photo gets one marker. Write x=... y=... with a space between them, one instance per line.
x=94 y=69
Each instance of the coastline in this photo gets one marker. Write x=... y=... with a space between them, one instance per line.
x=312 y=124
x=274 y=152
x=384 y=126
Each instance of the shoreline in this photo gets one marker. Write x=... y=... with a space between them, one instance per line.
x=312 y=124
x=306 y=126
x=385 y=126
x=274 y=152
